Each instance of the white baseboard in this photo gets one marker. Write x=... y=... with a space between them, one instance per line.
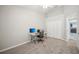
x=58 y=38
x=13 y=46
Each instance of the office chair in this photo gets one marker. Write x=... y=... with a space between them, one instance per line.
x=40 y=35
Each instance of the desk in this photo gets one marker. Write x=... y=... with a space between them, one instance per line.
x=33 y=36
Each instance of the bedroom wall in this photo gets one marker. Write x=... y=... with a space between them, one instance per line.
x=15 y=22
x=77 y=41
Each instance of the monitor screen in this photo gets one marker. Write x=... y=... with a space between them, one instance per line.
x=32 y=30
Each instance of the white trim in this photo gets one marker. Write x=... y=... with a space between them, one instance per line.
x=58 y=38
x=13 y=46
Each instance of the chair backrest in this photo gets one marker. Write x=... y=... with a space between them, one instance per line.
x=40 y=34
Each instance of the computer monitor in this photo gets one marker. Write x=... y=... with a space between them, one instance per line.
x=32 y=30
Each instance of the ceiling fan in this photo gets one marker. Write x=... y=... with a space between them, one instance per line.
x=48 y=6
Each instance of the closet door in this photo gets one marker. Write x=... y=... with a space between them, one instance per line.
x=54 y=29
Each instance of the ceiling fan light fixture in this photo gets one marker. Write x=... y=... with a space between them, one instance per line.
x=45 y=6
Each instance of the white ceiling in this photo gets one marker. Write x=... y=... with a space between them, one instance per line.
x=39 y=8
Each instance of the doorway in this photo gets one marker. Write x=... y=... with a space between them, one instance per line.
x=71 y=29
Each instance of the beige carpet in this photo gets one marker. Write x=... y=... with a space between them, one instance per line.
x=49 y=46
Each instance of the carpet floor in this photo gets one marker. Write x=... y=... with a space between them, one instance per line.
x=49 y=46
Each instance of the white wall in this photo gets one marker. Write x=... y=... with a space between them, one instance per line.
x=55 y=23
x=77 y=41
x=15 y=23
